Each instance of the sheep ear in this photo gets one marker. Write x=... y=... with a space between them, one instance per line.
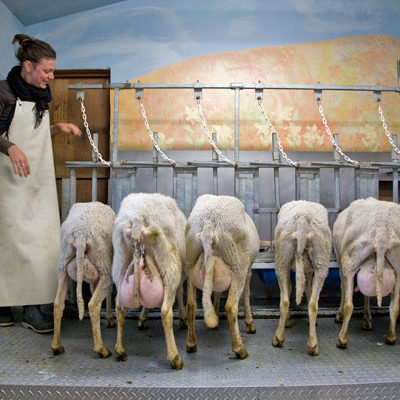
x=72 y=242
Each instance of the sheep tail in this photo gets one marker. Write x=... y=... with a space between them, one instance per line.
x=80 y=258
x=301 y=236
x=208 y=239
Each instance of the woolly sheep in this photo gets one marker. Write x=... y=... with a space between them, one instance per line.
x=86 y=255
x=221 y=245
x=302 y=242
x=149 y=251
x=365 y=234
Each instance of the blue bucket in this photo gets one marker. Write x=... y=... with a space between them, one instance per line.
x=268 y=276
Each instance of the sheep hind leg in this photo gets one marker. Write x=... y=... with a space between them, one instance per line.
x=248 y=316
x=348 y=286
x=59 y=305
x=120 y=350
x=183 y=323
x=232 y=307
x=110 y=321
x=94 y=311
x=279 y=337
x=339 y=314
x=191 y=346
x=312 y=344
x=393 y=312
x=167 y=320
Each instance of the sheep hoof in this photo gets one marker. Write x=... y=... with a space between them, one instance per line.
x=177 y=362
x=313 y=350
x=340 y=344
x=367 y=325
x=58 y=350
x=191 y=349
x=276 y=342
x=183 y=323
x=143 y=325
x=390 y=341
x=103 y=352
x=250 y=328
x=241 y=354
x=121 y=356
x=110 y=323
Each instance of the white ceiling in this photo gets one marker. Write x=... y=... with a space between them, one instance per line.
x=30 y=12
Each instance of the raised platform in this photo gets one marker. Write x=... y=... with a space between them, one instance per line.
x=367 y=369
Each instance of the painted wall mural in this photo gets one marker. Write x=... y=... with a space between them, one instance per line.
x=357 y=60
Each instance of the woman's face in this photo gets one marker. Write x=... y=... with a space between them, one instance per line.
x=39 y=74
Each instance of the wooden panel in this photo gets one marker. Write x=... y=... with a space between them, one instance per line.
x=66 y=108
x=66 y=147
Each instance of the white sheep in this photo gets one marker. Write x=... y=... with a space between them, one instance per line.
x=366 y=238
x=303 y=243
x=221 y=244
x=149 y=251
x=86 y=255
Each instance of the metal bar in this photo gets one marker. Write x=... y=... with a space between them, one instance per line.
x=237 y=118
x=276 y=155
x=72 y=187
x=94 y=169
x=395 y=185
x=132 y=181
x=395 y=176
x=398 y=72
x=215 y=170
x=155 y=160
x=235 y=86
x=65 y=205
x=115 y=127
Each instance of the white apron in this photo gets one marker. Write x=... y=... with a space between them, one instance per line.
x=29 y=216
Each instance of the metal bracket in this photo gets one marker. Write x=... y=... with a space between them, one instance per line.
x=318 y=94
x=80 y=94
x=139 y=93
x=377 y=95
x=198 y=93
x=259 y=93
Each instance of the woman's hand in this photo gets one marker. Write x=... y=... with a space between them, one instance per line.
x=65 y=127
x=19 y=161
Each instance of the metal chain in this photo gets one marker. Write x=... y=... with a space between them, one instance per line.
x=388 y=134
x=155 y=144
x=280 y=147
x=89 y=135
x=328 y=131
x=213 y=144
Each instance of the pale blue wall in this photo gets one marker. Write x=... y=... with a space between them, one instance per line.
x=9 y=27
x=138 y=36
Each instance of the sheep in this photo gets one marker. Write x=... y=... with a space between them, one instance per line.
x=366 y=239
x=86 y=255
x=303 y=243
x=149 y=252
x=221 y=244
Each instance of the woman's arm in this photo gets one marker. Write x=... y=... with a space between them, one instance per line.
x=65 y=127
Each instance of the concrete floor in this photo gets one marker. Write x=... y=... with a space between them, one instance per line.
x=367 y=369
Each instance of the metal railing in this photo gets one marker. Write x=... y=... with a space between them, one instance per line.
x=246 y=181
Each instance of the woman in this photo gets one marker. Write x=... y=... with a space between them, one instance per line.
x=29 y=215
